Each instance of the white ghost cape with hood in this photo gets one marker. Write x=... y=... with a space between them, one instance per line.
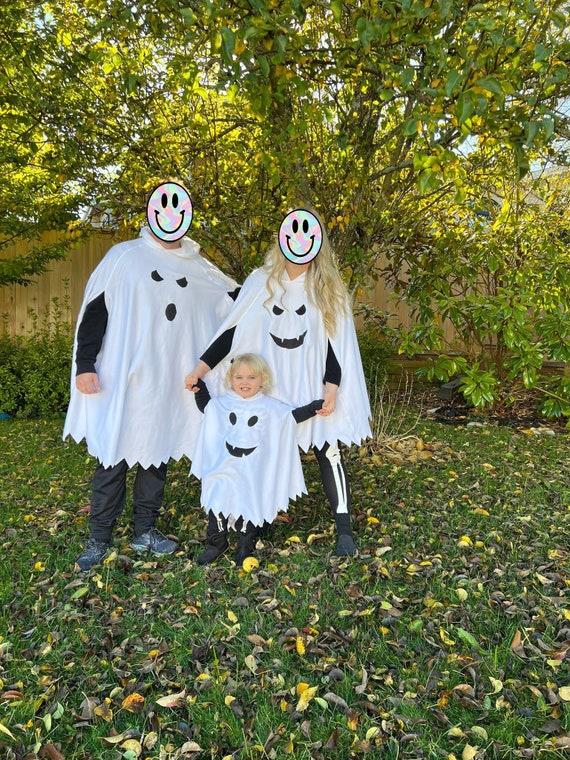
x=247 y=458
x=288 y=331
x=163 y=305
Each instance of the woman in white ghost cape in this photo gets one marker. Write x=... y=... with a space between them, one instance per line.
x=298 y=318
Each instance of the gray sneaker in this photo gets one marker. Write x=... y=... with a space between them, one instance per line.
x=154 y=540
x=92 y=554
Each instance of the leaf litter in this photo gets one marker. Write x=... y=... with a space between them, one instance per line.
x=447 y=636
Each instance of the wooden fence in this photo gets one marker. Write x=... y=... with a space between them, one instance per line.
x=67 y=279
x=64 y=281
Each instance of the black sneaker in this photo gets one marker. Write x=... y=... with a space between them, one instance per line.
x=92 y=554
x=154 y=540
x=345 y=546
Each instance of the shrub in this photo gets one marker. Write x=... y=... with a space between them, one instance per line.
x=35 y=369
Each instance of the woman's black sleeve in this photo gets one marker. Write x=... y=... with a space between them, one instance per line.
x=219 y=349
x=333 y=372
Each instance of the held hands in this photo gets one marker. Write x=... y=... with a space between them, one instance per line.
x=329 y=402
x=198 y=373
x=87 y=382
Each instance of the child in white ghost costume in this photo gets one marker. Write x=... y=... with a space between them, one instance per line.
x=246 y=456
x=298 y=318
x=149 y=308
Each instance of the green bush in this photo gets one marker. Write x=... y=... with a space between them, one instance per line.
x=35 y=369
x=375 y=347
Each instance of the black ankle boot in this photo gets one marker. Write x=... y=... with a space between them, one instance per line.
x=217 y=544
x=246 y=543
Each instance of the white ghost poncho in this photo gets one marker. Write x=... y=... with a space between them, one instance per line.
x=288 y=331
x=247 y=458
x=163 y=305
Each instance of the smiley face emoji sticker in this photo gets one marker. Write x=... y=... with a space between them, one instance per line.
x=169 y=211
x=300 y=236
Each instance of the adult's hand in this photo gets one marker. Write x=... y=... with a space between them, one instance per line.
x=329 y=402
x=198 y=373
x=87 y=382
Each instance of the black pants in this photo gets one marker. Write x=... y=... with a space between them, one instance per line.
x=108 y=491
x=335 y=484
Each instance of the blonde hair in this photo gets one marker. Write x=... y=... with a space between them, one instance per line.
x=258 y=367
x=324 y=285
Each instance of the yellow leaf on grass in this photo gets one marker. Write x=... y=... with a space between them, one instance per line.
x=301 y=687
x=250 y=663
x=232 y=617
x=305 y=698
x=173 y=700
x=293 y=540
x=465 y=541
x=300 y=646
x=250 y=563
x=496 y=684
x=228 y=700
x=564 y=693
x=445 y=638
x=469 y=752
x=7 y=731
x=133 y=703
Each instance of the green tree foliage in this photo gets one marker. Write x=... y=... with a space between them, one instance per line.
x=380 y=114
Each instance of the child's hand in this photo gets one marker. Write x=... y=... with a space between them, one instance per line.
x=329 y=402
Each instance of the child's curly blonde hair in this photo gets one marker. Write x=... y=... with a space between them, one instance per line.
x=258 y=367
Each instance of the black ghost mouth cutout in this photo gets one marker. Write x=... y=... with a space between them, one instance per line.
x=161 y=228
x=236 y=451
x=289 y=342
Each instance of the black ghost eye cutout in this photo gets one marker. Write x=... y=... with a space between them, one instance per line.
x=170 y=312
x=156 y=277
x=301 y=310
x=277 y=311
x=183 y=282
x=253 y=421
x=233 y=418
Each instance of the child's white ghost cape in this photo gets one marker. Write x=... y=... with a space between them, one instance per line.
x=289 y=332
x=247 y=457
x=163 y=307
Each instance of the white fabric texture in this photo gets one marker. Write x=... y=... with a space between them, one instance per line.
x=247 y=458
x=289 y=333
x=163 y=307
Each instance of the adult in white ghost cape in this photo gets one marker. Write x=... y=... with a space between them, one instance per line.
x=149 y=308
x=247 y=456
x=298 y=318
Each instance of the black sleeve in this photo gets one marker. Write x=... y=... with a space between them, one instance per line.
x=234 y=293
x=202 y=396
x=90 y=334
x=302 y=413
x=219 y=349
x=333 y=372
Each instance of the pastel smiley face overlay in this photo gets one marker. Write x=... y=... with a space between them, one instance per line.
x=169 y=211
x=300 y=236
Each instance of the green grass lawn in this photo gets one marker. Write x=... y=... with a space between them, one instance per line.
x=448 y=636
